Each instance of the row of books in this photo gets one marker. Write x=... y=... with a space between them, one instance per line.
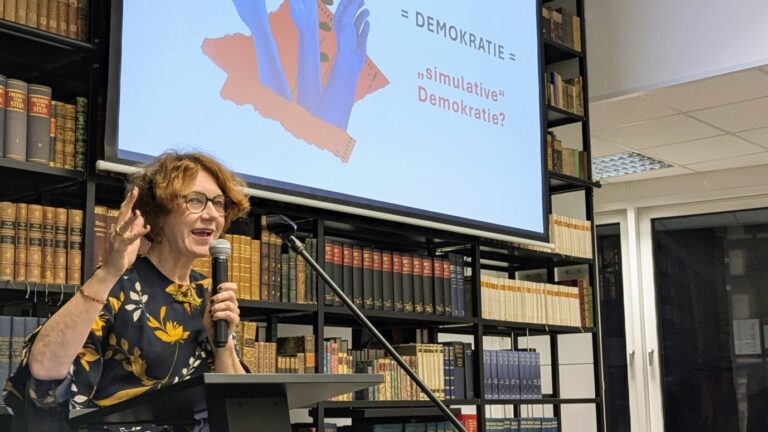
x=40 y=244
x=512 y=374
x=13 y=334
x=64 y=17
x=525 y=424
x=565 y=160
x=567 y=303
x=393 y=281
x=34 y=128
x=566 y=94
x=265 y=273
x=571 y=236
x=562 y=27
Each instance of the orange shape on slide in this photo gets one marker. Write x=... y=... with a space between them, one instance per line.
x=236 y=55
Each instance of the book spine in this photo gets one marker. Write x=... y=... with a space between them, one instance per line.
x=81 y=132
x=68 y=129
x=386 y=285
x=428 y=284
x=17 y=341
x=357 y=276
x=99 y=235
x=329 y=268
x=447 y=301
x=72 y=17
x=60 y=246
x=16 y=120
x=34 y=242
x=368 y=278
x=5 y=348
x=39 y=124
x=83 y=23
x=437 y=280
x=9 y=12
x=347 y=270
x=53 y=16
x=7 y=239
x=20 y=268
x=378 y=292
x=74 y=246
x=32 y=13
x=274 y=268
x=63 y=17
x=255 y=269
x=418 y=285
x=2 y=109
x=407 y=283
x=42 y=15
x=397 y=281
x=338 y=269
x=264 y=269
x=21 y=12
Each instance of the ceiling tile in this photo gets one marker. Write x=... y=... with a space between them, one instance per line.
x=654 y=133
x=737 y=162
x=604 y=148
x=624 y=111
x=708 y=149
x=737 y=117
x=712 y=92
x=666 y=172
x=757 y=136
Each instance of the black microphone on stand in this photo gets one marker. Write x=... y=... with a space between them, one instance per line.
x=220 y=250
x=285 y=228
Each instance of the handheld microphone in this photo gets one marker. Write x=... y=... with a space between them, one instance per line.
x=220 y=250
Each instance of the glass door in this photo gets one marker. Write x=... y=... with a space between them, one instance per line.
x=624 y=372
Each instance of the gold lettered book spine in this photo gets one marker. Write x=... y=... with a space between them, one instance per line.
x=74 y=246
x=20 y=267
x=2 y=107
x=39 y=124
x=35 y=243
x=255 y=269
x=7 y=239
x=42 y=15
x=60 y=246
x=9 y=14
x=72 y=15
x=99 y=235
x=16 y=120
x=21 y=11
x=32 y=13
x=53 y=16
x=81 y=132
x=63 y=17
x=69 y=136
x=83 y=23
x=49 y=218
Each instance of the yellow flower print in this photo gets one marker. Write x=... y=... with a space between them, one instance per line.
x=170 y=332
x=116 y=303
x=86 y=356
x=98 y=324
x=185 y=295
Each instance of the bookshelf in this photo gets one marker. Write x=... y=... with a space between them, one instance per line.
x=76 y=68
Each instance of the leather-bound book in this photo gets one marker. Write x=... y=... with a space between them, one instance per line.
x=49 y=217
x=16 y=120
x=397 y=281
x=63 y=17
x=407 y=283
x=7 y=239
x=357 y=276
x=74 y=246
x=386 y=283
x=39 y=124
x=20 y=268
x=42 y=15
x=377 y=281
x=100 y=235
x=21 y=12
x=72 y=17
x=32 y=8
x=60 y=246
x=418 y=285
x=34 y=243
x=368 y=278
x=2 y=111
x=428 y=286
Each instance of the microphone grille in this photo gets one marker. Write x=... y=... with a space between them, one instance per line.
x=220 y=248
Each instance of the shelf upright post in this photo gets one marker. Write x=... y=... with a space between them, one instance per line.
x=319 y=322
x=477 y=301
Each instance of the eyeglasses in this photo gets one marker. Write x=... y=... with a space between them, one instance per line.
x=196 y=202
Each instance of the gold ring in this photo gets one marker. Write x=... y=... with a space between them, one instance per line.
x=116 y=231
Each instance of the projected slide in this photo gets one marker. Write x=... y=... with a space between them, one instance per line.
x=428 y=107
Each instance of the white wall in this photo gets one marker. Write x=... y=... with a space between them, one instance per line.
x=637 y=45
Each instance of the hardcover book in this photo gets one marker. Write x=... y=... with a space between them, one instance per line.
x=16 y=119
x=39 y=124
x=49 y=216
x=2 y=111
x=20 y=269
x=74 y=246
x=7 y=239
x=34 y=242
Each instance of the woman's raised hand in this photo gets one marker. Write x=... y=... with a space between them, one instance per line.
x=125 y=237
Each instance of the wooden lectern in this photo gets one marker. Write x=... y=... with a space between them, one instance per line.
x=235 y=402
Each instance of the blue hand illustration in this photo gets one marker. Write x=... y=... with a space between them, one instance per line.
x=351 y=26
x=309 y=85
x=254 y=15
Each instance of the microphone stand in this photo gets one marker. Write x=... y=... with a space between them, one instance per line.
x=286 y=229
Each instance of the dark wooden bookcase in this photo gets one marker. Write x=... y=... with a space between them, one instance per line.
x=75 y=68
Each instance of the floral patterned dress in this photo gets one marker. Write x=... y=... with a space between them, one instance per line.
x=150 y=334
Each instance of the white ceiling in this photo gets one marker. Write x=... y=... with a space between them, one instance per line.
x=705 y=125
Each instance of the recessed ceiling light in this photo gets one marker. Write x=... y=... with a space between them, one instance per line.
x=622 y=164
